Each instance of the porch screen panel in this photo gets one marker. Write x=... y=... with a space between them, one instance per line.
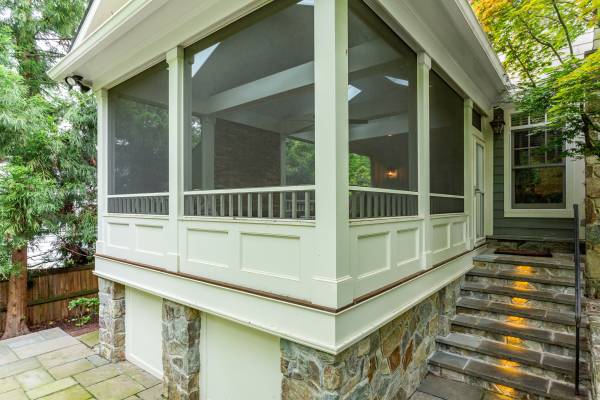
x=250 y=89
x=382 y=108
x=446 y=144
x=138 y=137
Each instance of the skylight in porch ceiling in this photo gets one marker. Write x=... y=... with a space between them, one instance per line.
x=201 y=57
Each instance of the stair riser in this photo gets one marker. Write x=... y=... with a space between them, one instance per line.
x=522 y=342
x=527 y=368
x=548 y=305
x=535 y=323
x=487 y=385
x=535 y=271
x=530 y=285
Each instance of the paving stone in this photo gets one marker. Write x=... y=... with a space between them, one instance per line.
x=7 y=355
x=65 y=355
x=8 y=384
x=154 y=393
x=97 y=360
x=19 y=366
x=51 y=388
x=424 y=396
x=34 y=378
x=90 y=339
x=513 y=275
x=17 y=394
x=117 y=388
x=563 y=261
x=138 y=374
x=72 y=393
x=72 y=368
x=96 y=375
x=447 y=389
x=45 y=347
x=53 y=333
x=24 y=340
x=531 y=294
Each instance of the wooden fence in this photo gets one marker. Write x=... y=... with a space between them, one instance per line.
x=49 y=293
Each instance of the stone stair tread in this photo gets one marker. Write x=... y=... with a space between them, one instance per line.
x=532 y=294
x=520 y=331
x=559 y=261
x=559 y=317
x=504 y=376
x=505 y=351
x=517 y=276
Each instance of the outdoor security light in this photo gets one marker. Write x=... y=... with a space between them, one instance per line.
x=76 y=80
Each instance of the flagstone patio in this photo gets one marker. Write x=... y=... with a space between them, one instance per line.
x=52 y=365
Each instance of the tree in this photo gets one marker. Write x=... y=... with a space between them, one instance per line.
x=536 y=39
x=47 y=140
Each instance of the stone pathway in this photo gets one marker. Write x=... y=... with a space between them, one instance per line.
x=52 y=365
x=436 y=388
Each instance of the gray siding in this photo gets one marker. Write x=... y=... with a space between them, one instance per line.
x=522 y=228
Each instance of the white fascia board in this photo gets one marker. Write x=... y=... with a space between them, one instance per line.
x=129 y=15
x=478 y=32
x=323 y=330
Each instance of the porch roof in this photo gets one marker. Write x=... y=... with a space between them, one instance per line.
x=119 y=38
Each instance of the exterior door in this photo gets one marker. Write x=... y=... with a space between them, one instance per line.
x=479 y=200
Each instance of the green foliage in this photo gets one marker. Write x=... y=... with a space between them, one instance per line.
x=536 y=40
x=300 y=162
x=360 y=170
x=86 y=308
x=47 y=136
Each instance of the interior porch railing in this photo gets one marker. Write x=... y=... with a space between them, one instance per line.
x=379 y=203
x=144 y=203
x=287 y=202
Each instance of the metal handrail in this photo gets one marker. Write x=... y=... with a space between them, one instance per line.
x=576 y=260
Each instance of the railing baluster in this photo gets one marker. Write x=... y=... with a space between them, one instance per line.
x=307 y=205
x=230 y=202
x=222 y=205
x=281 y=204
x=249 y=205
x=259 y=204
x=294 y=205
x=270 y=205
x=240 y=200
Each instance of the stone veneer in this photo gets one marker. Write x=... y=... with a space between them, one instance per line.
x=593 y=314
x=389 y=364
x=181 y=351
x=112 y=320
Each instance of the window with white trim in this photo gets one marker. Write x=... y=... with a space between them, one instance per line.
x=537 y=166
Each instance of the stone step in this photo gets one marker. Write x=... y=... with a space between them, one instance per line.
x=544 y=336
x=540 y=315
x=507 y=377
x=558 y=261
x=502 y=352
x=545 y=297
x=527 y=270
x=515 y=275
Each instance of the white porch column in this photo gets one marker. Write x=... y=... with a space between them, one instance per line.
x=102 y=164
x=332 y=268
x=423 y=68
x=176 y=61
x=469 y=165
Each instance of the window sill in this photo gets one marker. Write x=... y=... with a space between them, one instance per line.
x=538 y=213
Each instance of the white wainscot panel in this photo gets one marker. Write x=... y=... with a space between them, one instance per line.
x=449 y=234
x=273 y=257
x=138 y=239
x=383 y=252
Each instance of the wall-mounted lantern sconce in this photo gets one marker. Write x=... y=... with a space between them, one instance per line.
x=391 y=173
x=77 y=80
x=498 y=122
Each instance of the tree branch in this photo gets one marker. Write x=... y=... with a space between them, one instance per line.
x=525 y=69
x=540 y=41
x=564 y=26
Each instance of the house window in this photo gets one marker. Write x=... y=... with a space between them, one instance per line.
x=476 y=119
x=538 y=169
x=138 y=135
x=446 y=144
x=250 y=89
x=382 y=104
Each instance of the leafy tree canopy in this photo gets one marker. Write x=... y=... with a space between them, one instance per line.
x=536 y=41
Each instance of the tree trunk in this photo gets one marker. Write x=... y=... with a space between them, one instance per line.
x=16 y=307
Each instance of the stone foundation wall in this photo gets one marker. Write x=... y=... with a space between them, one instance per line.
x=389 y=364
x=593 y=314
x=181 y=351
x=112 y=320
